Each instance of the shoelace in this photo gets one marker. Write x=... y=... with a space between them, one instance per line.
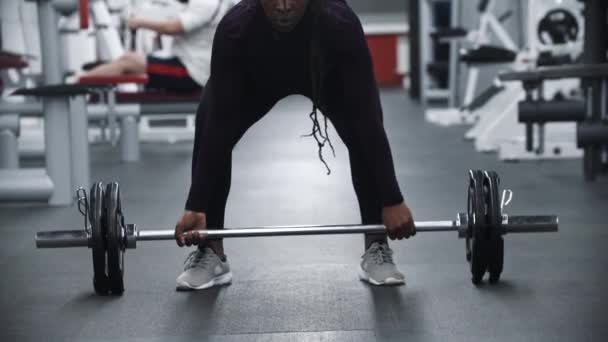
x=197 y=258
x=381 y=254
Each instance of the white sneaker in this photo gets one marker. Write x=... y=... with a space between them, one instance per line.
x=377 y=266
x=203 y=269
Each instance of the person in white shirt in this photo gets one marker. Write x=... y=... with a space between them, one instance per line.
x=189 y=67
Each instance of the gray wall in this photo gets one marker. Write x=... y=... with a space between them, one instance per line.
x=378 y=6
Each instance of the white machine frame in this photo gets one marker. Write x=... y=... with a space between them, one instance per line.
x=427 y=91
x=488 y=25
x=499 y=130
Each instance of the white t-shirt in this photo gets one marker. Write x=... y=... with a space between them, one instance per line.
x=199 y=19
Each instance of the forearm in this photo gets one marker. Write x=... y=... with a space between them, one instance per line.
x=206 y=172
x=213 y=145
x=167 y=27
x=371 y=135
x=364 y=111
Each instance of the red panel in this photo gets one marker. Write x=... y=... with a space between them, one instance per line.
x=83 y=10
x=169 y=70
x=384 y=57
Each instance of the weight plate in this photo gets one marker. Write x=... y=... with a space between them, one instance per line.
x=558 y=26
x=494 y=219
x=477 y=241
x=114 y=238
x=491 y=199
x=470 y=214
x=98 y=242
x=497 y=260
x=470 y=221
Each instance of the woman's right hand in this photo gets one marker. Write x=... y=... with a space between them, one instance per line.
x=187 y=226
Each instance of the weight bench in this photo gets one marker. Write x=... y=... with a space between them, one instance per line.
x=42 y=184
x=129 y=137
x=154 y=97
x=158 y=108
x=9 y=122
x=127 y=107
x=158 y=120
x=67 y=153
x=111 y=107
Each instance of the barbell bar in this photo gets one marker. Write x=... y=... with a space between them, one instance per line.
x=81 y=238
x=483 y=226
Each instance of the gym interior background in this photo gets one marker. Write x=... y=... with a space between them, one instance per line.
x=536 y=115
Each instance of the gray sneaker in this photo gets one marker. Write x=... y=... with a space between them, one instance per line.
x=377 y=266
x=203 y=269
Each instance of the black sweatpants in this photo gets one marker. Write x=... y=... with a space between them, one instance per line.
x=370 y=204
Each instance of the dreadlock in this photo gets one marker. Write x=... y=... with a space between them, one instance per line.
x=316 y=64
x=319 y=135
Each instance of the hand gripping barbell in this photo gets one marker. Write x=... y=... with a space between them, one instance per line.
x=483 y=226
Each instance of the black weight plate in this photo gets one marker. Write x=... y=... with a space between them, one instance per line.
x=114 y=238
x=479 y=255
x=497 y=260
x=470 y=214
x=558 y=26
x=495 y=232
x=98 y=242
x=477 y=244
x=491 y=199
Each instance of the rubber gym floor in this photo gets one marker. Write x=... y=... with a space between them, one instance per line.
x=306 y=288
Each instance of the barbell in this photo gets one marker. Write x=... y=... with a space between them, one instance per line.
x=107 y=235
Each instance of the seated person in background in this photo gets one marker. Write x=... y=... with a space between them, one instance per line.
x=189 y=68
